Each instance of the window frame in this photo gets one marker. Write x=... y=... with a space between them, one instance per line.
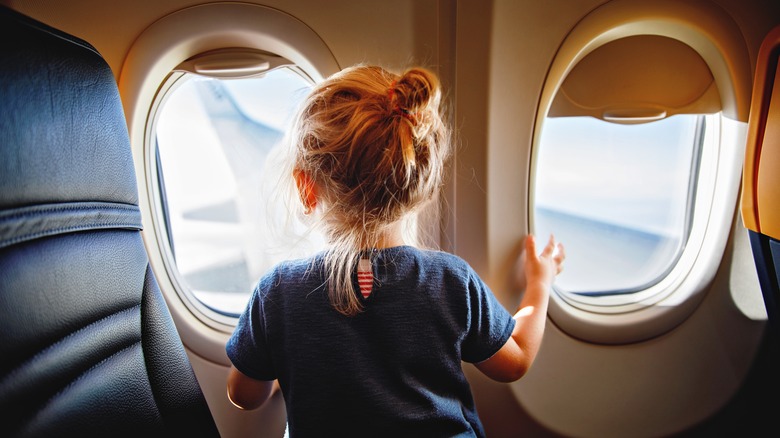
x=152 y=58
x=670 y=301
x=667 y=303
x=701 y=187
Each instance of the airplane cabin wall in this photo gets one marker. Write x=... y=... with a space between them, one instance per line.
x=493 y=57
x=655 y=387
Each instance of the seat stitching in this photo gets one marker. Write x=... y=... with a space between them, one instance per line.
x=62 y=340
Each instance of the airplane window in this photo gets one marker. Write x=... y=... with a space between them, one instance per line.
x=218 y=141
x=620 y=195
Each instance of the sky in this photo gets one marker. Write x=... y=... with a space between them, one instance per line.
x=632 y=175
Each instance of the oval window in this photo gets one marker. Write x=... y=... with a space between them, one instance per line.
x=218 y=143
x=632 y=171
x=636 y=169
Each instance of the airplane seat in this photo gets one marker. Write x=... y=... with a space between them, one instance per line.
x=88 y=345
x=761 y=178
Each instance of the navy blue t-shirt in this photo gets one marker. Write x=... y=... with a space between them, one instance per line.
x=392 y=370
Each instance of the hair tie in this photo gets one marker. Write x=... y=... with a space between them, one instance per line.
x=403 y=112
x=391 y=90
x=407 y=147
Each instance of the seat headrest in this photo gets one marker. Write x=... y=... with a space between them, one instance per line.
x=74 y=148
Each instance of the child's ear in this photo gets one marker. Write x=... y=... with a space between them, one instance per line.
x=307 y=190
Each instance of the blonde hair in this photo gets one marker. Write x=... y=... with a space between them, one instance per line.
x=374 y=144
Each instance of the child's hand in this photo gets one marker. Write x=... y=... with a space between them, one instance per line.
x=540 y=268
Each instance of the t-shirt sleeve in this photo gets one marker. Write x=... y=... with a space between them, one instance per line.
x=489 y=324
x=248 y=348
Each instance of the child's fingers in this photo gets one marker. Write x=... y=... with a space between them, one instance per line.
x=530 y=245
x=559 y=257
x=553 y=251
x=560 y=253
x=549 y=249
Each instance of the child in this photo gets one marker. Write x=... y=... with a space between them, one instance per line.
x=367 y=338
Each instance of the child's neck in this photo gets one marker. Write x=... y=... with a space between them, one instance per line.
x=391 y=238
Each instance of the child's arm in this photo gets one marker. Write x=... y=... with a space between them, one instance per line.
x=248 y=393
x=514 y=359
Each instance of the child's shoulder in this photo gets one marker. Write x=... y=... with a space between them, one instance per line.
x=438 y=254
x=296 y=267
x=438 y=266
x=442 y=259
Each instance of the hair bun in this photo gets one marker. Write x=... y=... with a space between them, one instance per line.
x=417 y=89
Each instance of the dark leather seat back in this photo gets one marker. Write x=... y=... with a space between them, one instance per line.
x=88 y=345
